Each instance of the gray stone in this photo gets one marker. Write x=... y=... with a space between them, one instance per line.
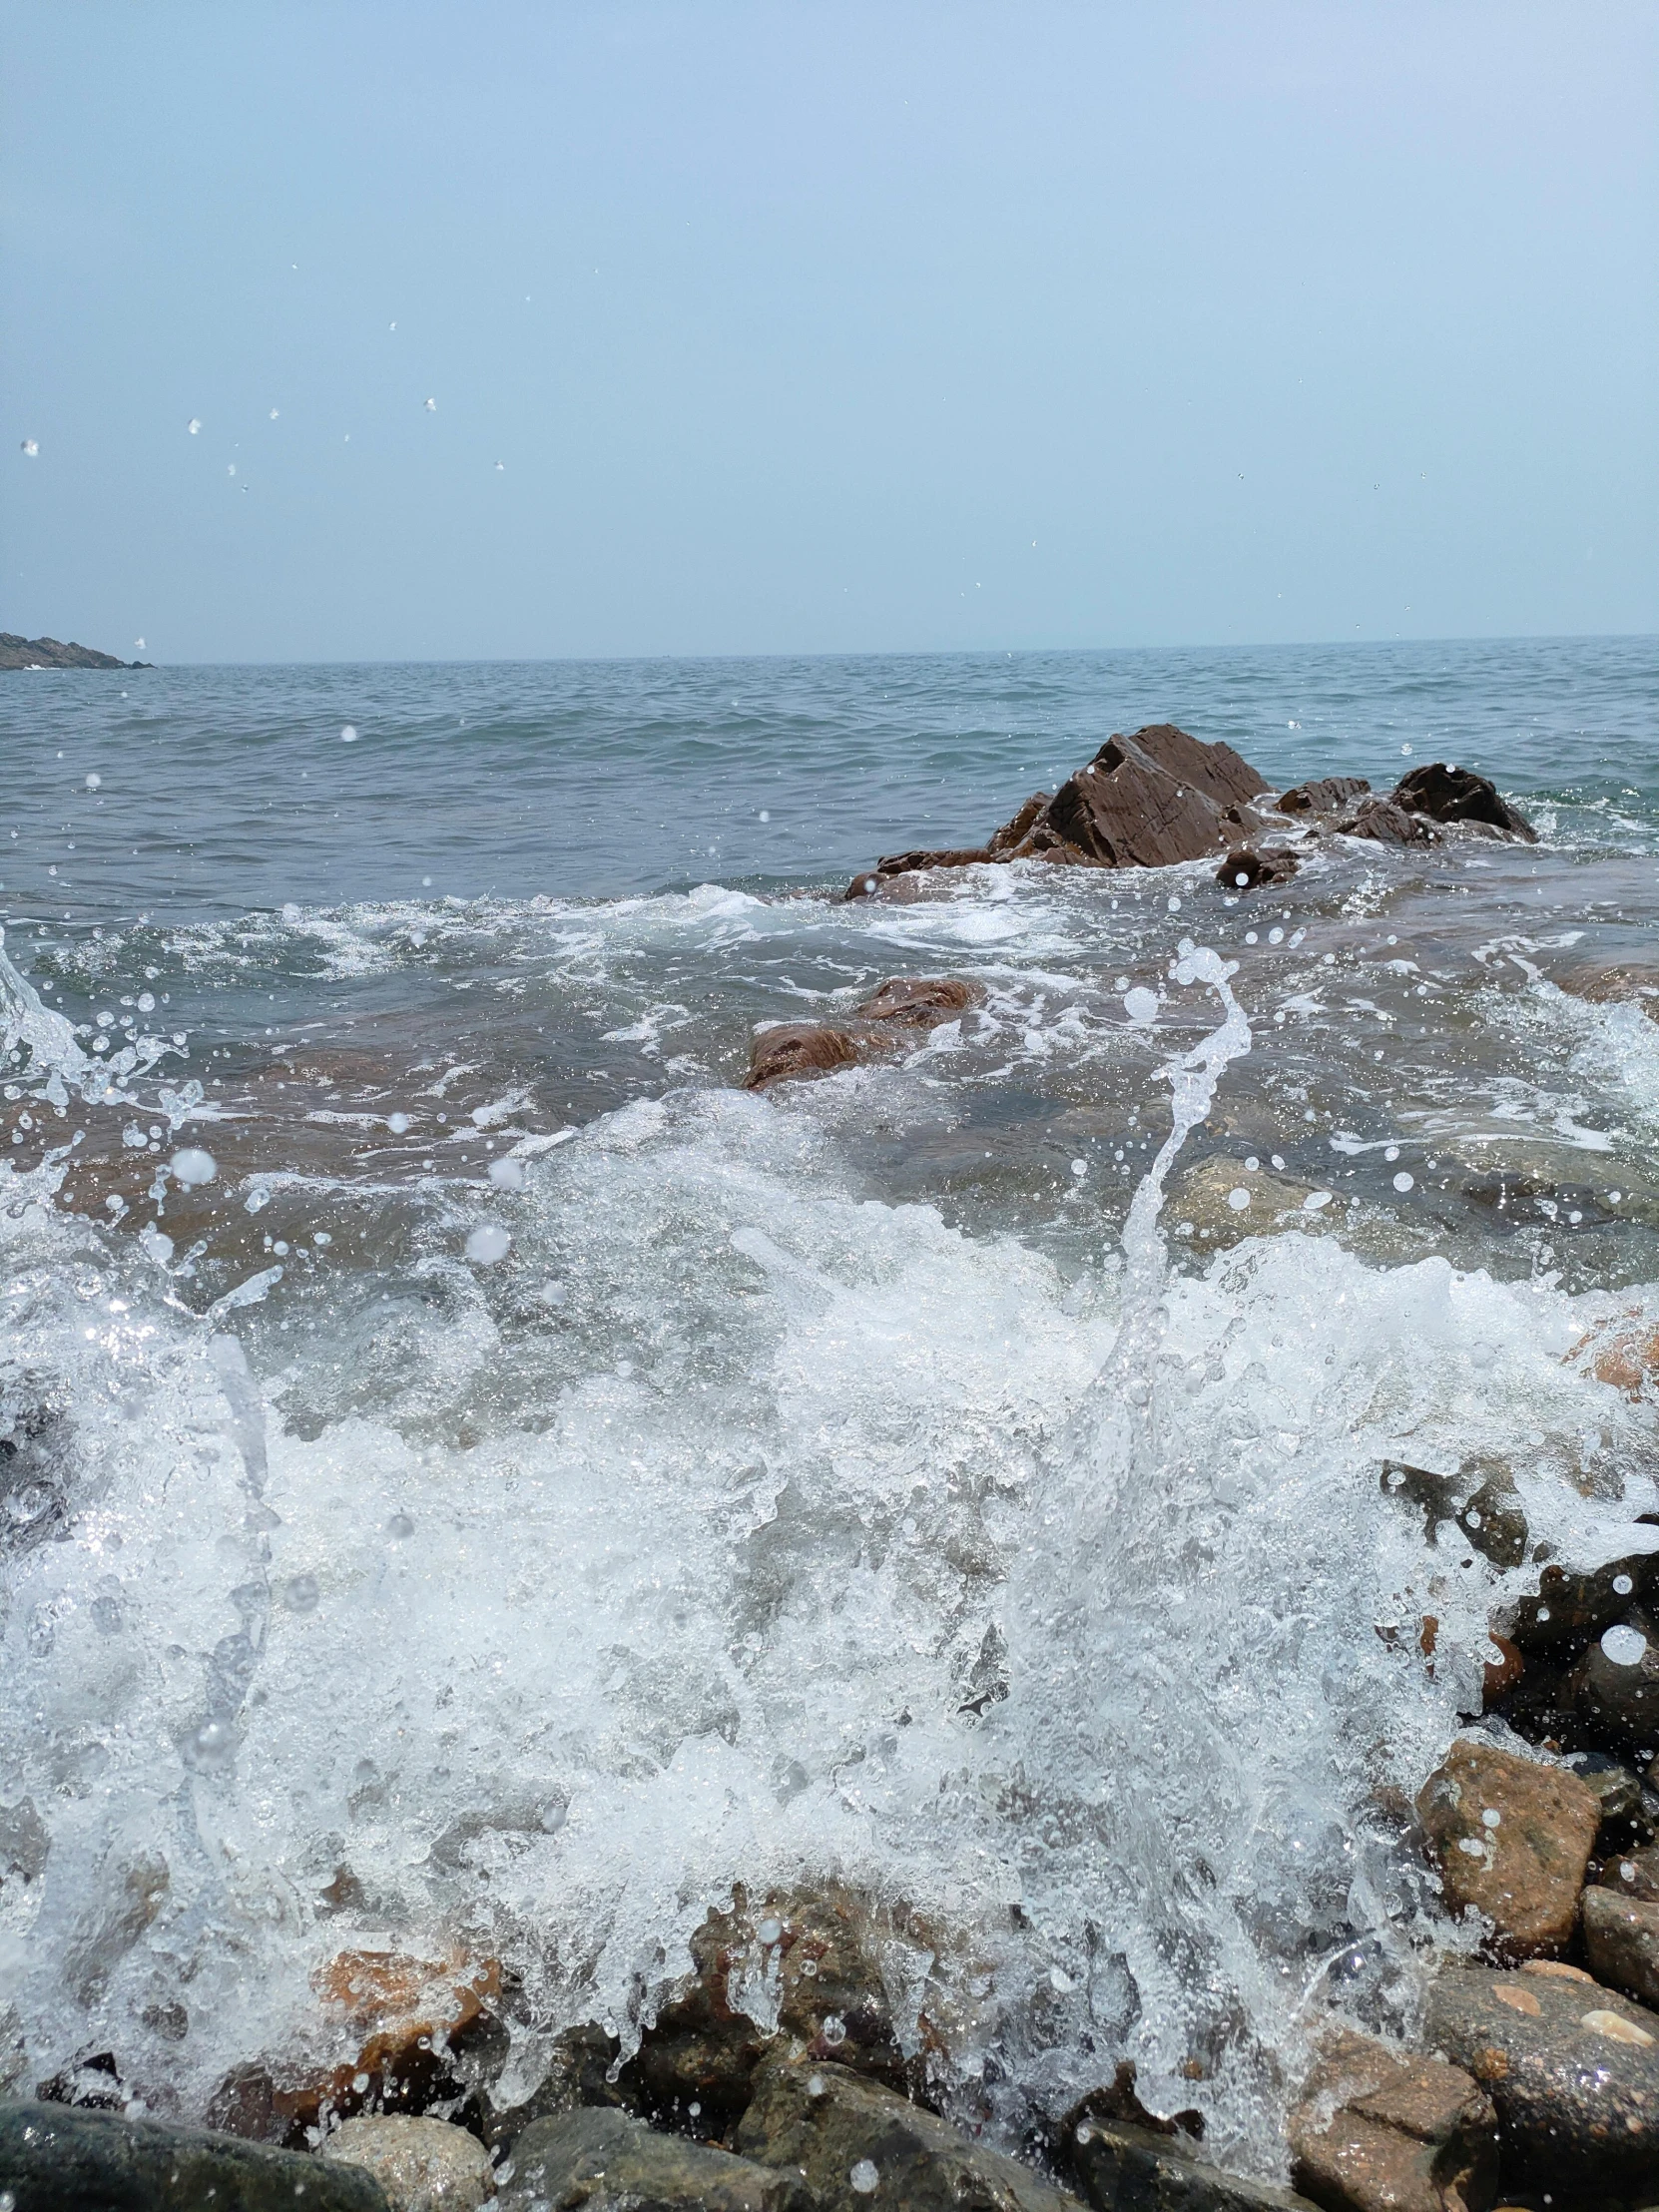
x=608 y=2161
x=1633 y=1874
x=859 y=2144
x=423 y=2165
x=1124 y=2168
x=54 y=2157
x=1572 y=2068
x=1621 y=1941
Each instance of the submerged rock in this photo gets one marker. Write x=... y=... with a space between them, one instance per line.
x=1246 y=868
x=54 y=2157
x=1622 y=1352
x=1382 y=2130
x=1616 y=1683
x=902 y=1009
x=423 y=2165
x=856 y=2143
x=1572 y=1608
x=796 y=1049
x=1385 y=823
x=1572 y=2068
x=1511 y=1840
x=1621 y=1941
x=1121 y=2167
x=608 y=2161
x=1622 y=983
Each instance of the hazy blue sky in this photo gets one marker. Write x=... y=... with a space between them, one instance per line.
x=826 y=327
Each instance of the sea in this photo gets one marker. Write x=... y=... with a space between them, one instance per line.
x=452 y=1432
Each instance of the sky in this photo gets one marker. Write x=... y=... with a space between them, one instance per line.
x=424 y=331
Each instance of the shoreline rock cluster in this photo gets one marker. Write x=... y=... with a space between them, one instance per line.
x=40 y=653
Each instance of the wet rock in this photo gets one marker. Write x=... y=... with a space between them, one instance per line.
x=870 y=883
x=579 y=2074
x=806 y=1968
x=902 y=1009
x=1623 y=983
x=1387 y=823
x=856 y=2143
x=1623 y=1353
x=1458 y=795
x=1503 y=1674
x=1382 y=2130
x=1621 y=1941
x=421 y=2165
x=1324 y=795
x=1572 y=1608
x=36 y=1472
x=53 y=2157
x=431 y=2035
x=1511 y=1840
x=1572 y=2068
x=1121 y=2167
x=131 y=1893
x=25 y=1843
x=1203 y=1206
x=1247 y=869
x=91 y=2080
x=921 y=1001
x=608 y=2161
x=1633 y=1874
x=796 y=1049
x=1481 y=1500
x=1616 y=1683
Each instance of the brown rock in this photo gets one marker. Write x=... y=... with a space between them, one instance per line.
x=1572 y=2068
x=1633 y=1874
x=1503 y=1673
x=1457 y=794
x=899 y=1009
x=921 y=1001
x=1245 y=869
x=1146 y=800
x=792 y=1049
x=1382 y=2130
x=607 y=2161
x=1326 y=795
x=1622 y=983
x=1511 y=1840
x=1622 y=1352
x=1621 y=1941
x=1385 y=823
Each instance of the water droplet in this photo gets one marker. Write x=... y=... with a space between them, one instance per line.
x=348 y=735
x=865 y=2177
x=193 y=1166
x=1141 y=1005
x=834 y=2029
x=769 y=1930
x=398 y=1123
x=1175 y=909
x=400 y=1527
x=507 y=1175
x=1080 y=1166
x=300 y=1593
x=488 y=1243
x=1491 y=1817
x=1238 y=1199
x=31 y=450
x=1403 y=1181
x=816 y=2082
x=431 y=407
x=1622 y=1585
x=1624 y=1646
x=193 y=425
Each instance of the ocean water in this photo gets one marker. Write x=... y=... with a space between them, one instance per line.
x=557 y=1485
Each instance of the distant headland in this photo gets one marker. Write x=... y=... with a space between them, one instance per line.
x=18 y=652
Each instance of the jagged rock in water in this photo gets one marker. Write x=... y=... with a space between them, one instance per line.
x=423 y=2165
x=1387 y=823
x=1572 y=1608
x=1122 y=2167
x=1616 y=1683
x=55 y=2157
x=1205 y=1206
x=1324 y=795
x=1247 y=868
x=1572 y=2068
x=25 y=1843
x=579 y=2074
x=1385 y=2130
x=902 y=1008
x=608 y=2161
x=1633 y=1874
x=1621 y=1941
x=16 y=652
x=1510 y=1839
x=856 y=2143
x=1458 y=795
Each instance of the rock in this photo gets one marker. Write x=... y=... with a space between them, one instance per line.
x=1511 y=1840
x=429 y=2028
x=1326 y=795
x=54 y=2157
x=1572 y=2068
x=813 y=1955
x=1382 y=2130
x=1501 y=1675
x=1572 y=1608
x=1203 y=1200
x=856 y=2143
x=1633 y=1874
x=1616 y=1683
x=1622 y=1352
x=872 y=880
x=1623 y=983
x=421 y=2165
x=1621 y=1941
x=16 y=652
x=1384 y=822
x=608 y=2161
x=1124 y=2168
x=901 y=1009
x=1486 y=1513
x=579 y=2074
x=25 y=1843
x=1246 y=869
x=1457 y=794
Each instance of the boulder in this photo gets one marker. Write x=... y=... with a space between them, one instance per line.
x=1624 y=982
x=1324 y=795
x=1623 y=1353
x=795 y=1048
x=855 y=2143
x=1121 y=2167
x=55 y=2157
x=902 y=1009
x=1633 y=1874
x=809 y=1960
x=1204 y=1202
x=1246 y=869
x=1572 y=2068
x=578 y=2074
x=1621 y=1941
x=1384 y=2130
x=1384 y=822
x=608 y=2161
x=1457 y=794
x=1616 y=1683
x=421 y=2165
x=1511 y=1840
x=1572 y=1608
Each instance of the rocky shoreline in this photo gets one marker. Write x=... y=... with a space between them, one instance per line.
x=779 y=2075
x=42 y=653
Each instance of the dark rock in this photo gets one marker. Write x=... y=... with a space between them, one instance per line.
x=1018 y=827
x=130 y=1893
x=866 y=885
x=1617 y=1688
x=1124 y=2168
x=1382 y=2130
x=1452 y=795
x=25 y=1842
x=53 y=2158
x=35 y=1467
x=1511 y=1840
x=795 y=1048
x=921 y=1001
x=1572 y=2068
x=856 y=2143
x=1246 y=869
x=1144 y=802
x=93 y=2081
x=1621 y=1941
x=1571 y=1609
x=818 y=1953
x=579 y=2074
x=1326 y=795
x=608 y=2161
x=16 y=652
x=1385 y=823
x=1118 y=2100
x=1489 y=1519
x=900 y=1009
x=1623 y=983
x=1633 y=1874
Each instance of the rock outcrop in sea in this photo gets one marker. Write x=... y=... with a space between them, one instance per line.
x=16 y=652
